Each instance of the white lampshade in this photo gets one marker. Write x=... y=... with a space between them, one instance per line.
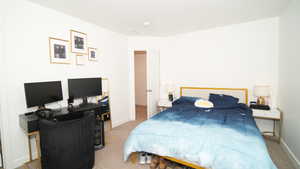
x=169 y=87
x=261 y=90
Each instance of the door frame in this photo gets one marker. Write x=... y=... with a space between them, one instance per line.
x=132 y=80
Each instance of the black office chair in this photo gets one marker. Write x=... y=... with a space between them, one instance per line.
x=68 y=141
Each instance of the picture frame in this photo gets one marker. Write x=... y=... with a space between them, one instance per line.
x=81 y=59
x=59 y=51
x=93 y=54
x=78 y=42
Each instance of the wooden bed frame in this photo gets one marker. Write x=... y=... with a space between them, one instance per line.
x=241 y=93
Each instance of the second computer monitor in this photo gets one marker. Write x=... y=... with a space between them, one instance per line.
x=85 y=87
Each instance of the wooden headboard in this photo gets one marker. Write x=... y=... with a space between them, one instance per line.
x=241 y=93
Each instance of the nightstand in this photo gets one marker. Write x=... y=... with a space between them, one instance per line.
x=276 y=116
x=163 y=105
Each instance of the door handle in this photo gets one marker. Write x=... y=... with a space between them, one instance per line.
x=149 y=90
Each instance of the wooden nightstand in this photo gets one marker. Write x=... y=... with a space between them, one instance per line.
x=163 y=105
x=276 y=116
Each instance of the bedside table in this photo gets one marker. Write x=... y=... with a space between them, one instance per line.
x=163 y=105
x=276 y=116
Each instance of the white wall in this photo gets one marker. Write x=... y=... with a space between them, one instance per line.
x=140 y=67
x=1 y=71
x=289 y=82
x=241 y=55
x=27 y=28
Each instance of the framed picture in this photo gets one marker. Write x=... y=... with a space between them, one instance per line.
x=81 y=59
x=92 y=54
x=78 y=42
x=59 y=51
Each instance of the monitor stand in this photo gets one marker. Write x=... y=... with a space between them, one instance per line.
x=42 y=108
x=43 y=112
x=84 y=102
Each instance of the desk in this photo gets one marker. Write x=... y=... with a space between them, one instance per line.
x=36 y=135
x=29 y=123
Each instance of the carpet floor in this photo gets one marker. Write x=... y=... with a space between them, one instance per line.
x=111 y=157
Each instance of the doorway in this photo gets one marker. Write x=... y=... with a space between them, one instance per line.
x=140 y=80
x=151 y=79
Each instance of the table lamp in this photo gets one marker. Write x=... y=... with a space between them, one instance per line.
x=170 y=89
x=261 y=92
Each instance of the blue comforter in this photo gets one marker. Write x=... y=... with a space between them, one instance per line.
x=218 y=138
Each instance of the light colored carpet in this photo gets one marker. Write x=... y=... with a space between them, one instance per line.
x=111 y=156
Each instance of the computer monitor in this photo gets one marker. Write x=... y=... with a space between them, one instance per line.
x=41 y=93
x=84 y=88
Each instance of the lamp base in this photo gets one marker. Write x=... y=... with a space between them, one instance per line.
x=261 y=100
x=171 y=97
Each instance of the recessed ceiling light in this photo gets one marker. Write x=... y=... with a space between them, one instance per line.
x=135 y=32
x=147 y=23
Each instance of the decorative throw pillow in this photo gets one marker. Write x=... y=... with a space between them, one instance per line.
x=204 y=103
x=185 y=100
x=221 y=100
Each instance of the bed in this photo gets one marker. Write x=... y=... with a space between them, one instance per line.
x=224 y=137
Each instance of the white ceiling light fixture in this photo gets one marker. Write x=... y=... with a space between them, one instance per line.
x=147 y=23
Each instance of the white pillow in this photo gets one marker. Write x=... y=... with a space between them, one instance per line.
x=203 y=103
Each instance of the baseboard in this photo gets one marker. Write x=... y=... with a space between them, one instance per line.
x=291 y=155
x=20 y=161
x=118 y=123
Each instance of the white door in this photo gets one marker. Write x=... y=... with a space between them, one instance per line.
x=153 y=81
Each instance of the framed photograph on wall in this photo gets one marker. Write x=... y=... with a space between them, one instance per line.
x=78 y=42
x=93 y=54
x=59 y=51
x=81 y=59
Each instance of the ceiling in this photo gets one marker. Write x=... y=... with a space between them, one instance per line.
x=166 y=17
